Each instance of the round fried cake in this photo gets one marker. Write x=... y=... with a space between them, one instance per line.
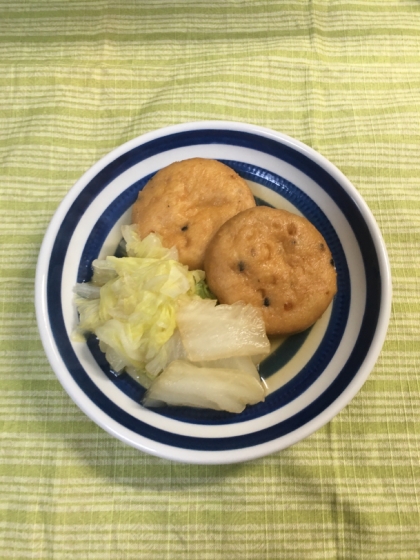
x=186 y=203
x=274 y=260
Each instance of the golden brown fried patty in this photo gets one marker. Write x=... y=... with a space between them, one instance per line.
x=187 y=202
x=274 y=260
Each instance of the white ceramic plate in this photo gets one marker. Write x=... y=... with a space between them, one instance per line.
x=311 y=376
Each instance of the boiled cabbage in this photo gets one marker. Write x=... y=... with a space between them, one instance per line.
x=147 y=312
x=241 y=363
x=210 y=332
x=131 y=302
x=185 y=384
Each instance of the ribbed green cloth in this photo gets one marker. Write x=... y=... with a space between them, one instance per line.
x=78 y=79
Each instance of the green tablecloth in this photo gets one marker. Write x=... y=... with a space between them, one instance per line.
x=78 y=79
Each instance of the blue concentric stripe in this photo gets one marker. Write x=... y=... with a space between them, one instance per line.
x=104 y=225
x=229 y=137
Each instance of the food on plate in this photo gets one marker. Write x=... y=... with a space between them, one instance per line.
x=186 y=203
x=186 y=384
x=148 y=314
x=131 y=302
x=276 y=261
x=156 y=316
x=211 y=331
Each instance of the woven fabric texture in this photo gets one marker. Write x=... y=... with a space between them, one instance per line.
x=80 y=78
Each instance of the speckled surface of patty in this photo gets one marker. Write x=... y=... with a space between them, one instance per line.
x=186 y=203
x=276 y=261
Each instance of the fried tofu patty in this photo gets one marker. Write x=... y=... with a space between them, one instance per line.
x=274 y=260
x=187 y=202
